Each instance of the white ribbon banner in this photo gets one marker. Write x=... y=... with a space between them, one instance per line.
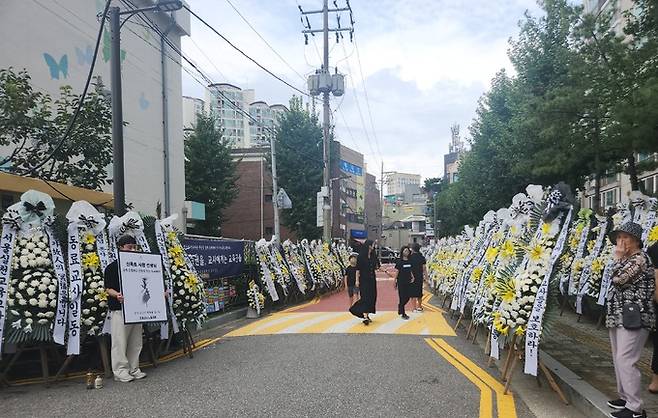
x=533 y=331
x=6 y=254
x=587 y=271
x=267 y=276
x=76 y=289
x=59 y=266
x=606 y=282
x=162 y=246
x=102 y=250
x=648 y=224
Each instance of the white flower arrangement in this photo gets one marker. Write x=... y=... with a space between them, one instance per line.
x=255 y=297
x=94 y=300
x=32 y=290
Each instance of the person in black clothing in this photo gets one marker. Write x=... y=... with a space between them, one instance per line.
x=418 y=274
x=403 y=279
x=350 y=279
x=126 y=338
x=366 y=264
x=652 y=252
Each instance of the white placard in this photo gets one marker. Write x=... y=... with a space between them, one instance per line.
x=142 y=285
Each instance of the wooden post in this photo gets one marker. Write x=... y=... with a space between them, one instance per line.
x=3 y=373
x=475 y=334
x=508 y=379
x=459 y=320
x=487 y=344
x=44 y=365
x=63 y=368
x=552 y=382
x=468 y=332
x=510 y=354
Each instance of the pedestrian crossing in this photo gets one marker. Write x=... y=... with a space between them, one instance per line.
x=430 y=322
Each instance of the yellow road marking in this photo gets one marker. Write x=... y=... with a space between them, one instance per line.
x=314 y=301
x=280 y=326
x=504 y=402
x=486 y=398
x=327 y=324
x=435 y=323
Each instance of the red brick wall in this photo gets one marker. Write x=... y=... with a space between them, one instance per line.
x=242 y=218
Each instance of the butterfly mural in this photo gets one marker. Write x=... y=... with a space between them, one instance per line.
x=143 y=102
x=85 y=56
x=57 y=67
x=107 y=43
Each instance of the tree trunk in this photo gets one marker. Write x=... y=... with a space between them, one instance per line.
x=596 y=202
x=632 y=172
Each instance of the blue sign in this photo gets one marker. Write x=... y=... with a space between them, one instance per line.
x=216 y=258
x=358 y=233
x=351 y=168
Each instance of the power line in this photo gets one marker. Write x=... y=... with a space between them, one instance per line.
x=265 y=40
x=81 y=100
x=365 y=93
x=210 y=83
x=243 y=53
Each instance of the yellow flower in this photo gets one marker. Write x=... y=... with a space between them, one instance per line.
x=597 y=266
x=491 y=254
x=90 y=260
x=507 y=250
x=179 y=261
x=88 y=238
x=590 y=245
x=653 y=234
x=519 y=330
x=506 y=290
x=536 y=252
x=191 y=283
x=171 y=235
x=498 y=325
x=102 y=295
x=176 y=251
x=477 y=273
x=579 y=228
x=545 y=228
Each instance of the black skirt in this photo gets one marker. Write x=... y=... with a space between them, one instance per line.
x=368 y=295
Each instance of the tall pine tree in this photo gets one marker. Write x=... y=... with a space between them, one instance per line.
x=210 y=172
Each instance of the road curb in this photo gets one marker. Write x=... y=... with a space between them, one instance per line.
x=583 y=396
x=221 y=319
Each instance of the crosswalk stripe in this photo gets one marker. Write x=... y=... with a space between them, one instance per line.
x=378 y=321
x=286 y=321
x=257 y=325
x=324 y=327
x=315 y=324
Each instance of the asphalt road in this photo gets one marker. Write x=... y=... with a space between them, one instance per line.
x=290 y=375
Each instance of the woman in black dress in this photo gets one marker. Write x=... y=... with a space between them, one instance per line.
x=403 y=279
x=366 y=281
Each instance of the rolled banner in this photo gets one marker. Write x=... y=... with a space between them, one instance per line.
x=87 y=260
x=534 y=329
x=10 y=226
x=59 y=265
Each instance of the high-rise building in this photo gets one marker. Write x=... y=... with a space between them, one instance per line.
x=616 y=7
x=192 y=107
x=266 y=120
x=229 y=103
x=396 y=182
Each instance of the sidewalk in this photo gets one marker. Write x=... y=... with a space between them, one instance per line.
x=584 y=350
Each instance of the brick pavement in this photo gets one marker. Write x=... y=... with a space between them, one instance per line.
x=585 y=350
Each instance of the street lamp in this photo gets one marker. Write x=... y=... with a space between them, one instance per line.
x=119 y=185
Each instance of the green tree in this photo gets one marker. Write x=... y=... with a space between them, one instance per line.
x=34 y=126
x=210 y=172
x=299 y=167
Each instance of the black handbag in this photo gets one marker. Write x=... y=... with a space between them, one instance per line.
x=630 y=316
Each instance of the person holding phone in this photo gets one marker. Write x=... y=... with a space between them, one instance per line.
x=126 y=338
x=630 y=316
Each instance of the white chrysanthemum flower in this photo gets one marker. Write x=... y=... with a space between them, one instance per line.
x=41 y=245
x=43 y=303
x=22 y=285
x=52 y=287
x=102 y=304
x=30 y=291
x=53 y=303
x=22 y=242
x=85 y=311
x=43 y=287
x=52 y=296
x=90 y=300
x=42 y=296
x=93 y=285
x=88 y=322
x=50 y=314
x=42 y=321
x=14 y=312
x=45 y=280
x=10 y=302
x=29 y=321
x=22 y=302
x=94 y=309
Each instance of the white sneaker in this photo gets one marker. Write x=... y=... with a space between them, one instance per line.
x=138 y=374
x=123 y=378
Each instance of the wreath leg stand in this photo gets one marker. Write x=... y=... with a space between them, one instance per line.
x=475 y=333
x=510 y=354
x=63 y=368
x=43 y=355
x=14 y=358
x=105 y=355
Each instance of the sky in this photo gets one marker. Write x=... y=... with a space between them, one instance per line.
x=421 y=64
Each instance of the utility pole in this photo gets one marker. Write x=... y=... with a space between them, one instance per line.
x=118 y=183
x=118 y=180
x=324 y=82
x=275 y=191
x=381 y=203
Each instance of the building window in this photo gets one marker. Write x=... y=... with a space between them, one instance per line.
x=650 y=184
x=609 y=198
